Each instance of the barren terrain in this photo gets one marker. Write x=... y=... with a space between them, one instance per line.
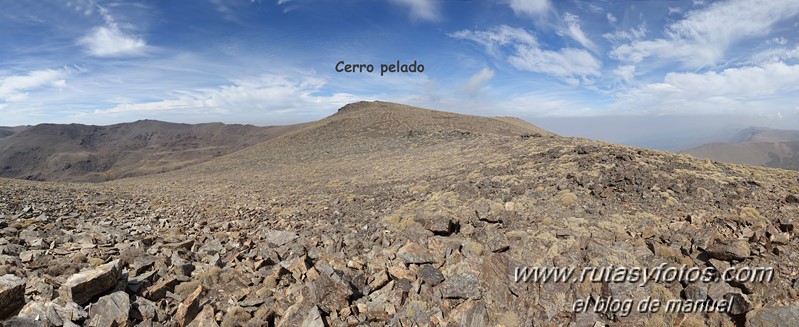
x=384 y=214
x=85 y=153
x=755 y=146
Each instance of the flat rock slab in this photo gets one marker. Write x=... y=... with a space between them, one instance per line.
x=733 y=249
x=83 y=286
x=461 y=286
x=280 y=237
x=189 y=308
x=12 y=295
x=415 y=253
x=111 y=310
x=779 y=316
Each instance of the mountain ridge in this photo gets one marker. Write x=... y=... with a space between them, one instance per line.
x=90 y=153
x=759 y=146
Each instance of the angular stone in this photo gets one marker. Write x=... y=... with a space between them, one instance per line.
x=142 y=264
x=313 y=318
x=137 y=285
x=470 y=313
x=83 y=286
x=205 y=318
x=461 y=286
x=430 y=275
x=775 y=316
x=740 y=303
x=12 y=295
x=379 y=279
x=492 y=239
x=143 y=309
x=110 y=311
x=399 y=272
x=731 y=249
x=792 y=198
x=71 y=311
x=43 y=312
x=441 y=225
x=330 y=291
x=415 y=253
x=181 y=266
x=235 y=316
x=189 y=308
x=695 y=292
x=280 y=237
x=158 y=290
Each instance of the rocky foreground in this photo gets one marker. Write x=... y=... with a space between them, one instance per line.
x=426 y=227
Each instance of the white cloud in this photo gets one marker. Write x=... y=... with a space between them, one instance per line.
x=634 y=33
x=111 y=41
x=532 y=8
x=502 y=35
x=576 y=32
x=733 y=90
x=15 y=88
x=627 y=72
x=775 y=54
x=266 y=94
x=421 y=9
x=703 y=36
x=779 y=40
x=611 y=19
x=477 y=81
x=570 y=65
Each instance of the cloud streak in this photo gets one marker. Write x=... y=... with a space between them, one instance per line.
x=530 y=8
x=421 y=10
x=703 y=36
x=571 y=65
x=477 y=81
x=110 y=40
x=733 y=90
x=16 y=88
x=576 y=32
x=262 y=96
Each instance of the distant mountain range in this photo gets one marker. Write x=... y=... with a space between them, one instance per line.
x=757 y=146
x=85 y=153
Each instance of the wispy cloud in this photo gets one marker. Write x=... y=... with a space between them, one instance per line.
x=15 y=88
x=611 y=19
x=626 y=72
x=703 y=36
x=576 y=32
x=110 y=40
x=776 y=54
x=635 y=33
x=531 y=8
x=424 y=10
x=574 y=66
x=477 y=81
x=262 y=96
x=733 y=90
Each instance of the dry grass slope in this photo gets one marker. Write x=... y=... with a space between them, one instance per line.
x=385 y=214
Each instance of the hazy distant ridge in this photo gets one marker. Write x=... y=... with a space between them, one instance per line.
x=758 y=146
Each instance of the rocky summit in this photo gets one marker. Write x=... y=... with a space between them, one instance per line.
x=384 y=214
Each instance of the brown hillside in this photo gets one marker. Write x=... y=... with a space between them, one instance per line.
x=385 y=214
x=86 y=153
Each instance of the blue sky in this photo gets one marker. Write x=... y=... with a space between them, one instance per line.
x=273 y=61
